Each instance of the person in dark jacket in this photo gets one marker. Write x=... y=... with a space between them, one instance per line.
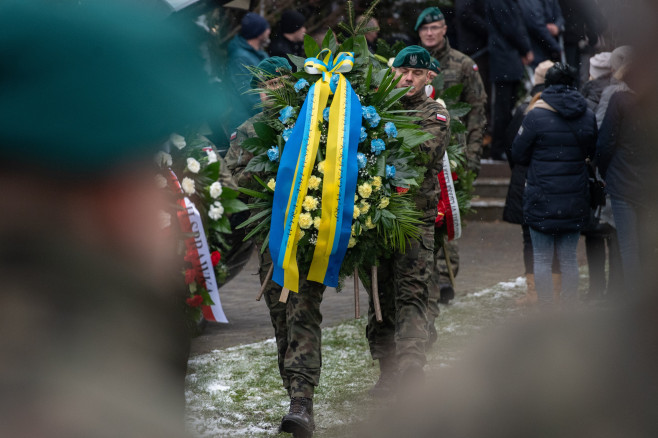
x=544 y=21
x=290 y=37
x=509 y=51
x=555 y=140
x=623 y=160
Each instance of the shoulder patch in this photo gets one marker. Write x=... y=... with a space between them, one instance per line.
x=441 y=118
x=234 y=135
x=475 y=67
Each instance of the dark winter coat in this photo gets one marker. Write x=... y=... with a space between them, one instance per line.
x=472 y=26
x=508 y=40
x=554 y=140
x=537 y=14
x=622 y=155
x=241 y=55
x=593 y=89
x=282 y=46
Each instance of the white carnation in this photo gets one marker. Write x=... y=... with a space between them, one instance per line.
x=160 y=181
x=188 y=186
x=216 y=189
x=453 y=165
x=163 y=159
x=216 y=211
x=212 y=156
x=193 y=165
x=165 y=219
x=177 y=140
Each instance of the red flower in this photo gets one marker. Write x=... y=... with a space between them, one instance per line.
x=189 y=276
x=215 y=257
x=194 y=301
x=190 y=256
x=401 y=190
x=455 y=177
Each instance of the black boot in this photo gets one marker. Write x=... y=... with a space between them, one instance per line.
x=447 y=294
x=387 y=382
x=299 y=420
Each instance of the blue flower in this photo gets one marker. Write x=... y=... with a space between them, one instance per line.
x=325 y=114
x=286 y=134
x=301 y=84
x=364 y=135
x=333 y=83
x=390 y=130
x=390 y=171
x=361 y=160
x=286 y=114
x=273 y=153
x=377 y=146
x=370 y=114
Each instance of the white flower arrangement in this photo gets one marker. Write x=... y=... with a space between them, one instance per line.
x=215 y=190
x=193 y=165
x=188 y=186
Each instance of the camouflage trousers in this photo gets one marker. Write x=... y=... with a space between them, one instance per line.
x=403 y=282
x=297 y=331
x=440 y=277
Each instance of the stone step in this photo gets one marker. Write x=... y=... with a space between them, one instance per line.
x=486 y=209
x=494 y=169
x=491 y=187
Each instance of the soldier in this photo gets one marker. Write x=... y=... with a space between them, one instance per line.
x=297 y=322
x=398 y=342
x=457 y=69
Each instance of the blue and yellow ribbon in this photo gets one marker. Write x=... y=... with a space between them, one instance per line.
x=340 y=175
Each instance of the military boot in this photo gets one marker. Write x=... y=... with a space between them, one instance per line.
x=386 y=384
x=447 y=294
x=299 y=420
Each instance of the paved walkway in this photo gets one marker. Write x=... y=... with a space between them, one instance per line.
x=490 y=252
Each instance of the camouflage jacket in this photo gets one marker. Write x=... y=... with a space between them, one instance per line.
x=236 y=157
x=458 y=68
x=434 y=119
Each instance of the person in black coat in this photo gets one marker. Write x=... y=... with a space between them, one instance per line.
x=623 y=158
x=554 y=141
x=290 y=36
x=509 y=51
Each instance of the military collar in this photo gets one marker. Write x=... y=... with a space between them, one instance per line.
x=415 y=100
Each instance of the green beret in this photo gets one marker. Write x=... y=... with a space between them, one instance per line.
x=413 y=57
x=103 y=85
x=429 y=15
x=270 y=68
x=435 y=65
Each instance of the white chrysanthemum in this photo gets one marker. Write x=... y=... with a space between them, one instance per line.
x=216 y=189
x=216 y=211
x=193 y=165
x=177 y=140
x=188 y=186
x=163 y=159
x=212 y=156
x=165 y=219
x=160 y=181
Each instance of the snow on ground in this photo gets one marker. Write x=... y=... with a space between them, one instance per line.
x=237 y=392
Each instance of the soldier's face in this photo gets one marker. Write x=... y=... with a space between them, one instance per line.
x=411 y=77
x=272 y=84
x=432 y=34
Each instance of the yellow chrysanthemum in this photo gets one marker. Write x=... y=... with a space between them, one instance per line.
x=300 y=234
x=321 y=167
x=305 y=221
x=377 y=183
x=383 y=203
x=356 y=197
x=310 y=203
x=365 y=190
x=357 y=212
x=351 y=243
x=271 y=184
x=369 y=224
x=314 y=182
x=316 y=222
x=364 y=207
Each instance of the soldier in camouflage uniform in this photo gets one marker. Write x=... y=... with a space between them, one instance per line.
x=399 y=341
x=457 y=69
x=297 y=322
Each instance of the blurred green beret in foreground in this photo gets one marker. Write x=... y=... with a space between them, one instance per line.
x=271 y=68
x=90 y=85
x=413 y=57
